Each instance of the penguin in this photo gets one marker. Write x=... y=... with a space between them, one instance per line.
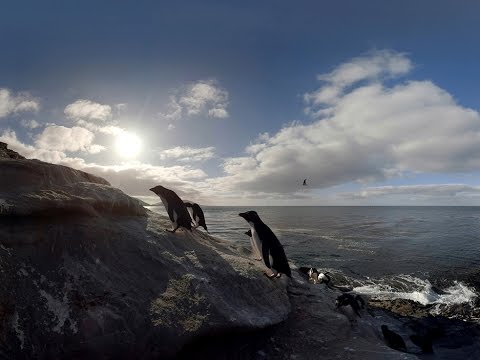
x=272 y=251
x=393 y=340
x=356 y=302
x=424 y=342
x=256 y=245
x=313 y=275
x=196 y=213
x=305 y=182
x=317 y=277
x=176 y=209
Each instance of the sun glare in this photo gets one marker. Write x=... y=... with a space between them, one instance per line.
x=128 y=145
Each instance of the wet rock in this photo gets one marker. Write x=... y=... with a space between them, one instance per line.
x=402 y=307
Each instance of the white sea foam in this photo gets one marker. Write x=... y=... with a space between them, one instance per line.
x=415 y=289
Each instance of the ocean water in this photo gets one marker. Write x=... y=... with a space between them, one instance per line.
x=427 y=254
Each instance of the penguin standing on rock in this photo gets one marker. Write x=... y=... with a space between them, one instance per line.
x=196 y=213
x=176 y=209
x=272 y=251
x=392 y=339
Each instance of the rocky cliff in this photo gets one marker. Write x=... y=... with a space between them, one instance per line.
x=86 y=271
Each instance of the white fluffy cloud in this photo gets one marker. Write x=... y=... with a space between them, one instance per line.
x=375 y=66
x=13 y=103
x=369 y=131
x=62 y=139
x=187 y=154
x=88 y=110
x=199 y=97
x=105 y=129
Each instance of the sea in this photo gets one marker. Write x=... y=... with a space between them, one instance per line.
x=430 y=255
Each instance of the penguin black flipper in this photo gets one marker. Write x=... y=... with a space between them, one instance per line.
x=248 y=233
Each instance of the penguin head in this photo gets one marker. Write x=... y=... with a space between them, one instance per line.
x=159 y=189
x=250 y=216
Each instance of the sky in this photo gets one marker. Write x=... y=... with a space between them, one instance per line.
x=237 y=102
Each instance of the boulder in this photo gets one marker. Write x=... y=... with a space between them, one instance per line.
x=6 y=153
x=87 y=272
x=33 y=187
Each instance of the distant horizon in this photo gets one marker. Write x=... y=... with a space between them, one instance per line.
x=257 y=206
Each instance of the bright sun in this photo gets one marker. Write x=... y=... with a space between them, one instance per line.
x=128 y=145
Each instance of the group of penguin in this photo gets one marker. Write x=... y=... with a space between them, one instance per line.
x=267 y=247
x=265 y=244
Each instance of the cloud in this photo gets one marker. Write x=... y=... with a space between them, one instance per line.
x=61 y=138
x=430 y=190
x=121 y=107
x=187 y=154
x=30 y=124
x=88 y=110
x=13 y=103
x=173 y=111
x=374 y=66
x=105 y=129
x=29 y=151
x=135 y=177
x=204 y=96
x=372 y=131
x=218 y=113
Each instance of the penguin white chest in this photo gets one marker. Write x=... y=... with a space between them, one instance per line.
x=256 y=243
x=175 y=217
x=165 y=202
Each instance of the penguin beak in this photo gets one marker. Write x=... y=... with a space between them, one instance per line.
x=243 y=215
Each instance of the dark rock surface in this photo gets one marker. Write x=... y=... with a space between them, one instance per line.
x=6 y=153
x=32 y=187
x=87 y=272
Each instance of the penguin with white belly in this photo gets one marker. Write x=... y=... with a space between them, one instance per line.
x=196 y=213
x=271 y=250
x=176 y=209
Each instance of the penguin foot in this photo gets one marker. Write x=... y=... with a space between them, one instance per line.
x=269 y=276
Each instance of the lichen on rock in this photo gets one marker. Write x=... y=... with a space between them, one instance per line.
x=180 y=306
